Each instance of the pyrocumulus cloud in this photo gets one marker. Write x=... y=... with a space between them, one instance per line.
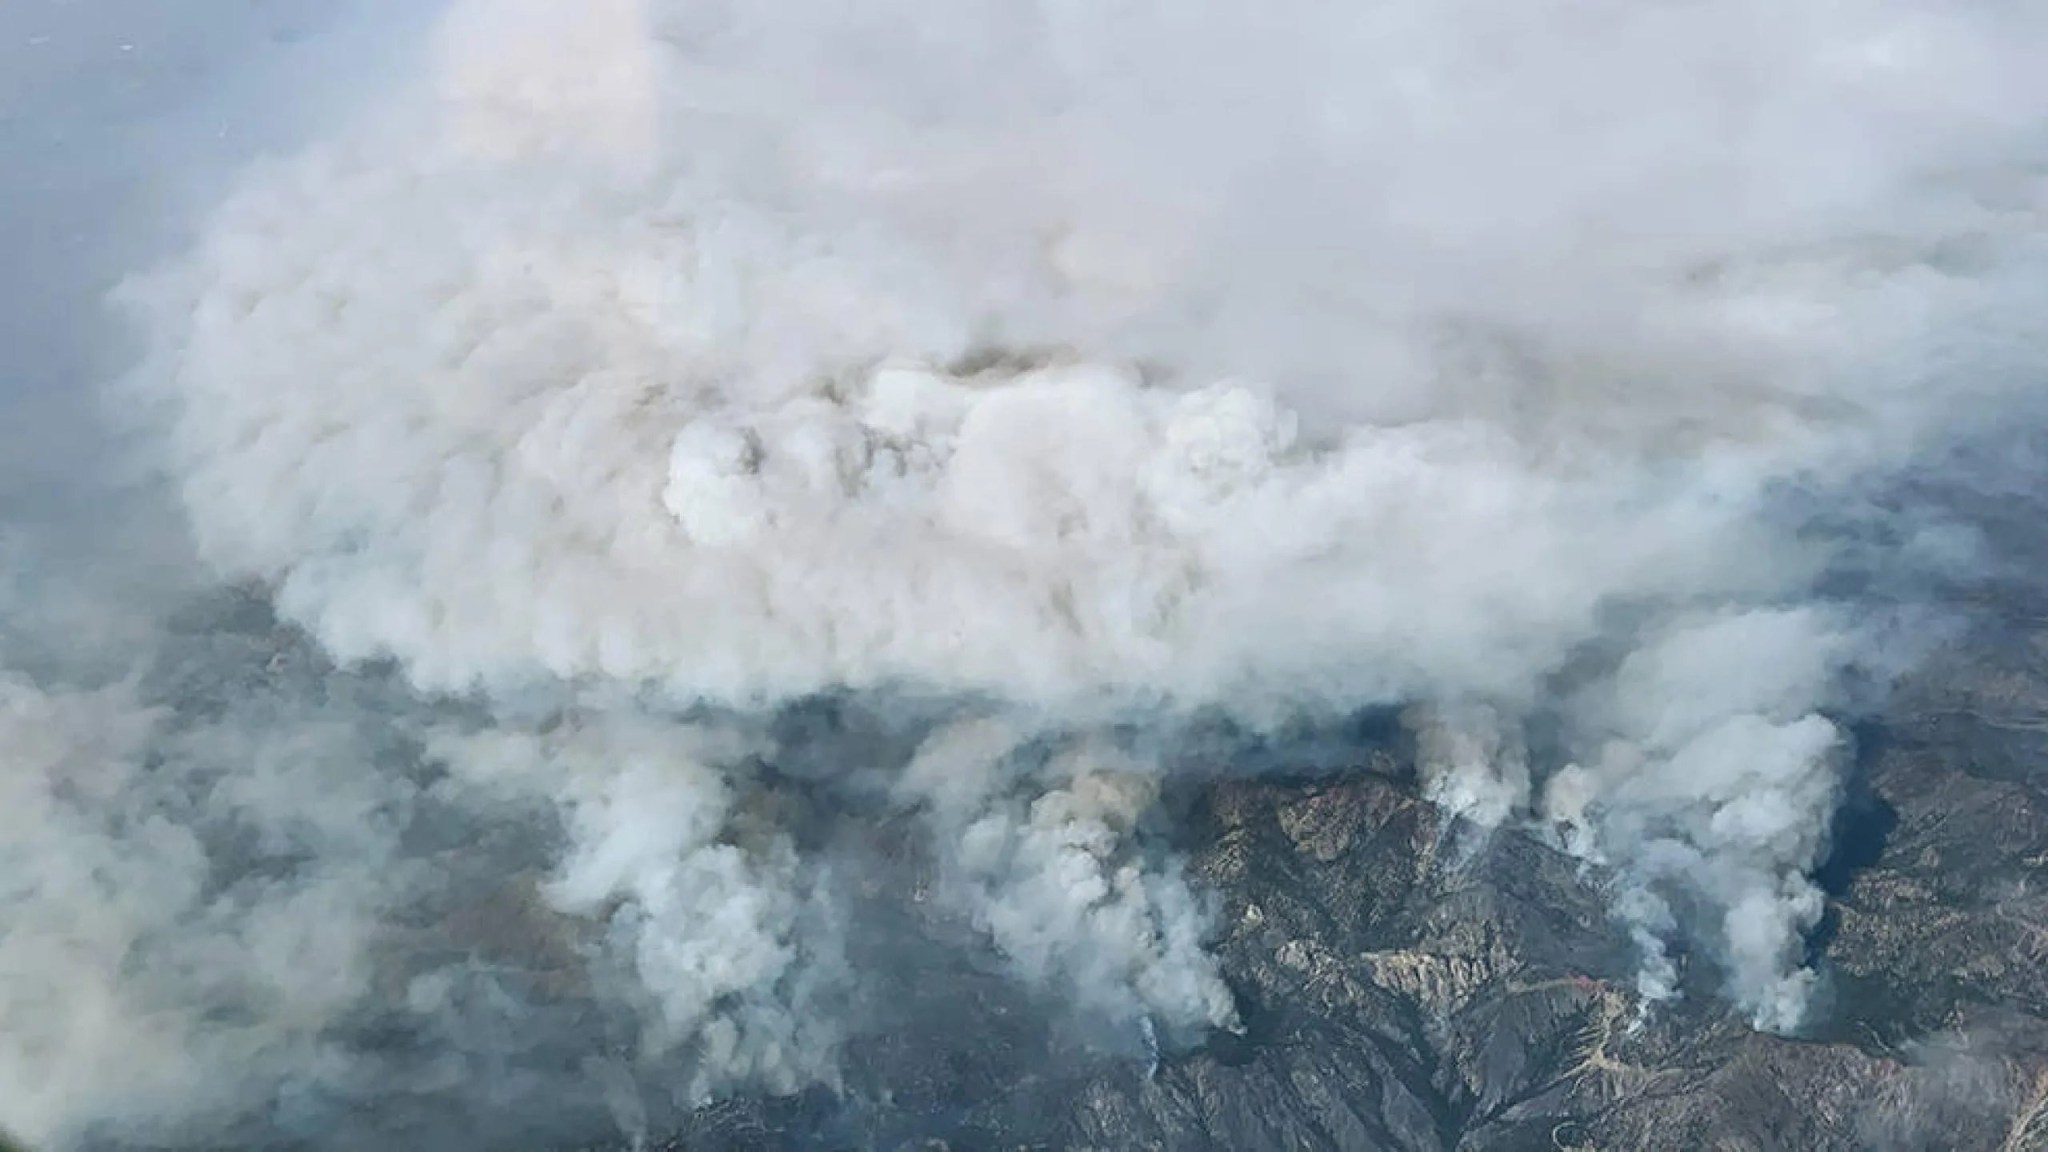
x=640 y=368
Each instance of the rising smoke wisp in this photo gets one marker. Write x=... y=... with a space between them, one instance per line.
x=642 y=368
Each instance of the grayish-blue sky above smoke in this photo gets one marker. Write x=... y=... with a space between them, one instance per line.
x=115 y=116
x=1064 y=369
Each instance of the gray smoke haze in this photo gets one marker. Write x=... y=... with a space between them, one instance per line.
x=599 y=385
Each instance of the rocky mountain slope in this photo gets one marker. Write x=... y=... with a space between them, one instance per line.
x=1409 y=985
x=1406 y=982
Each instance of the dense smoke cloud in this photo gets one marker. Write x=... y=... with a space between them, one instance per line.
x=194 y=883
x=732 y=950
x=639 y=370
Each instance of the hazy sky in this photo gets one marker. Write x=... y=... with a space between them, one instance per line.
x=112 y=114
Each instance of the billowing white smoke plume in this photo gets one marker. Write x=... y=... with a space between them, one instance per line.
x=1053 y=877
x=1708 y=766
x=1083 y=364
x=730 y=947
x=186 y=910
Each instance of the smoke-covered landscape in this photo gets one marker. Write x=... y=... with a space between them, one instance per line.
x=637 y=574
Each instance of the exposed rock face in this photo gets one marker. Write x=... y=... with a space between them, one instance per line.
x=1409 y=985
x=1405 y=982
